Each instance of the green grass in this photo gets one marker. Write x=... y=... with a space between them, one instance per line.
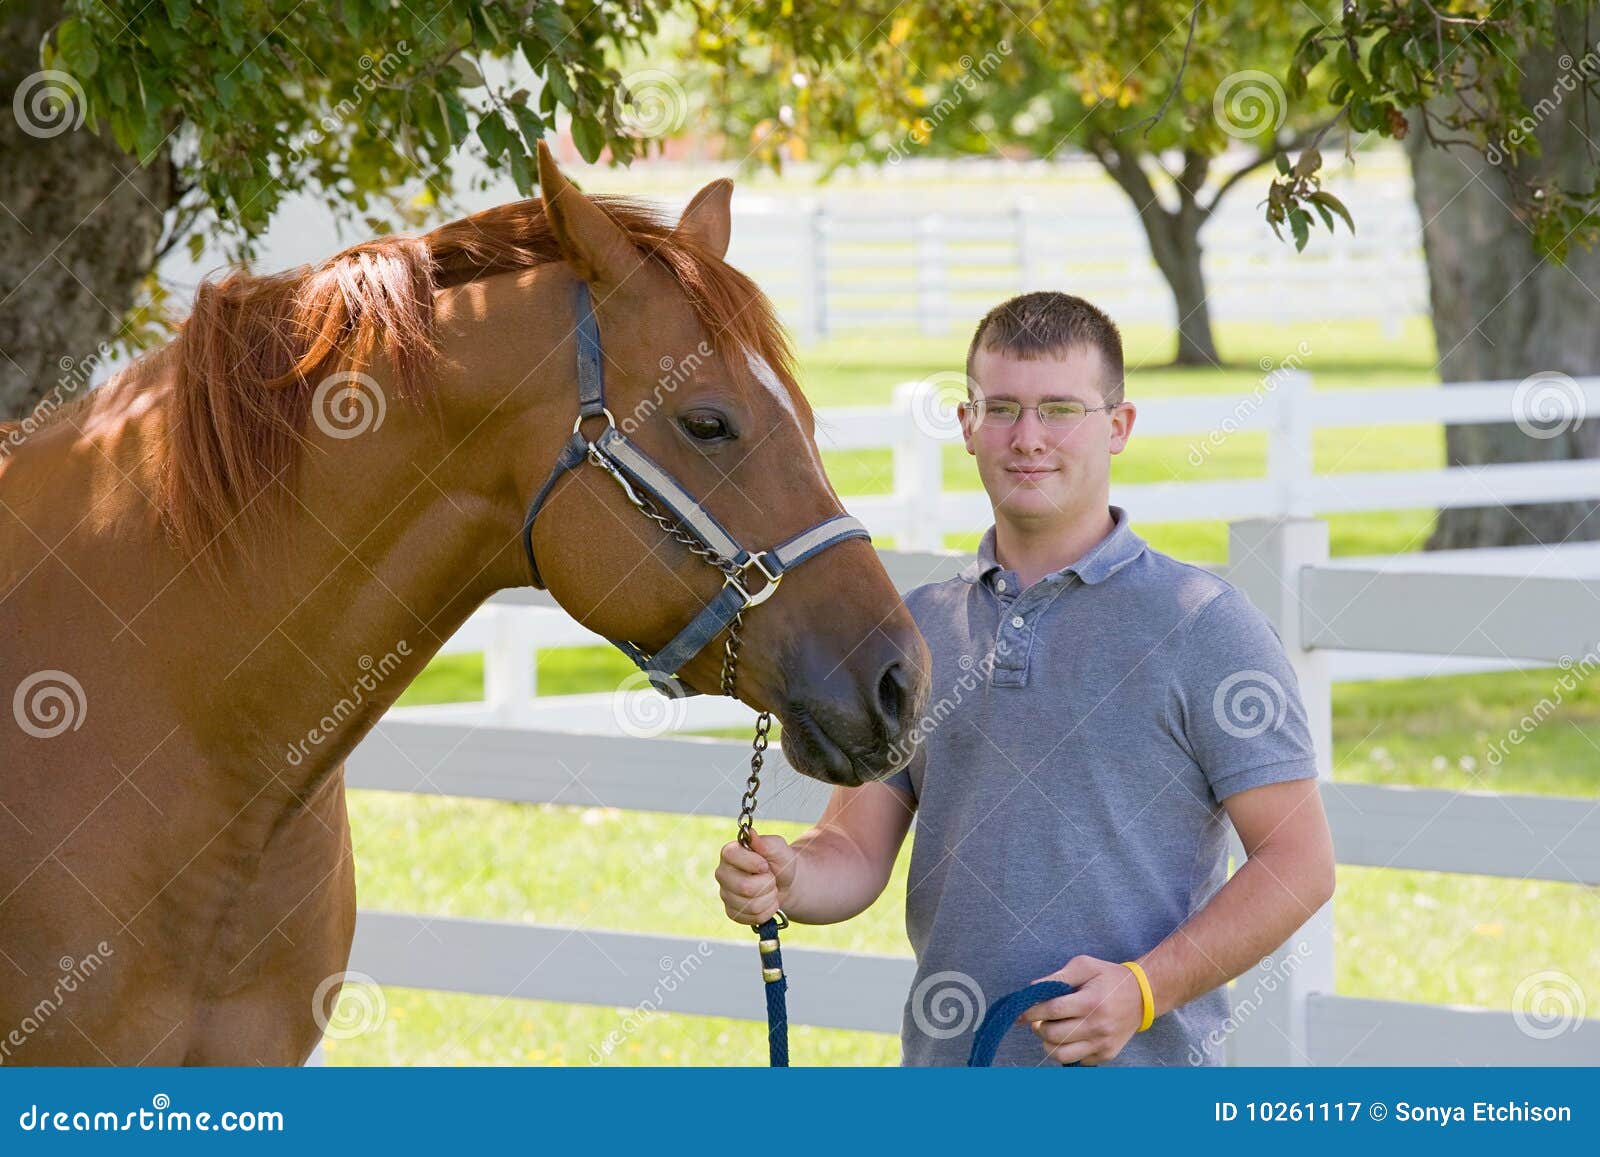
x=1401 y=934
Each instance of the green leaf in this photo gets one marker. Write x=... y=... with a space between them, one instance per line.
x=75 y=42
x=556 y=78
x=493 y=133
x=521 y=171
x=1323 y=197
x=1300 y=223
x=587 y=135
x=1295 y=82
x=531 y=124
x=178 y=12
x=455 y=117
x=1282 y=161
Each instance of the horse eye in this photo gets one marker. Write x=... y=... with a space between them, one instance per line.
x=705 y=427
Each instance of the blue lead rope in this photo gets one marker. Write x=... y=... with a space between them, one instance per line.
x=777 y=986
x=986 y=1041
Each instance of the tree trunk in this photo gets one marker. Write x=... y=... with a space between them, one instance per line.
x=1502 y=312
x=1174 y=238
x=1175 y=245
x=80 y=223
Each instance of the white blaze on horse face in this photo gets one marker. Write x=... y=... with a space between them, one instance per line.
x=768 y=377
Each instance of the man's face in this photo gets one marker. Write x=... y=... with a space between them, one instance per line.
x=1035 y=472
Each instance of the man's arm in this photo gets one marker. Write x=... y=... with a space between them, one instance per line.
x=1288 y=874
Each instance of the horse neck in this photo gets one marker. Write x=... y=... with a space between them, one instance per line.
x=275 y=667
x=392 y=539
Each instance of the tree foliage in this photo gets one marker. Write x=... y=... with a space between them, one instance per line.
x=355 y=100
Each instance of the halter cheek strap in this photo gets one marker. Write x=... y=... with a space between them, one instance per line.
x=647 y=485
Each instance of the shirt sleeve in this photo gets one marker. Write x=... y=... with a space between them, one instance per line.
x=901 y=780
x=1240 y=714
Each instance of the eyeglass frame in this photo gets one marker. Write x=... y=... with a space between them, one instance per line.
x=1021 y=409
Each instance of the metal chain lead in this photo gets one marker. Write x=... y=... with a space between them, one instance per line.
x=730 y=665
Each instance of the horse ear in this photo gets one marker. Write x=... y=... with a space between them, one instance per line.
x=706 y=219
x=596 y=248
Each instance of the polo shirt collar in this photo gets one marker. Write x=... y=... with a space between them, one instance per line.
x=1113 y=552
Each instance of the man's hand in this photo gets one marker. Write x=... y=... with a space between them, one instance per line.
x=755 y=884
x=1093 y=1023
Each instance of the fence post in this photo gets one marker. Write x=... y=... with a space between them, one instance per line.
x=508 y=675
x=1290 y=446
x=932 y=308
x=812 y=284
x=918 y=467
x=1028 y=279
x=1265 y=558
x=816 y=271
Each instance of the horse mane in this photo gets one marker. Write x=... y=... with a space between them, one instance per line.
x=252 y=351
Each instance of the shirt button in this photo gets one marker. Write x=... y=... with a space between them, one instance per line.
x=1017 y=620
x=1000 y=585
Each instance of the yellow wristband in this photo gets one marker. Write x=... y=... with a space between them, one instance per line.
x=1145 y=994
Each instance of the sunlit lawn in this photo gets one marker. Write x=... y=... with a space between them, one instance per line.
x=1402 y=934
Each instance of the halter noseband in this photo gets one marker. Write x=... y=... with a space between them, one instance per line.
x=657 y=494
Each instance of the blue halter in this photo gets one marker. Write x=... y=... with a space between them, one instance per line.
x=650 y=488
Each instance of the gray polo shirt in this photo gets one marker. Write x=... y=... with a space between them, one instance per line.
x=1078 y=739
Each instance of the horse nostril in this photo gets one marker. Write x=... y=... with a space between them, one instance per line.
x=892 y=695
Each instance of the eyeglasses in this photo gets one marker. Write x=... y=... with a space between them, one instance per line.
x=1058 y=414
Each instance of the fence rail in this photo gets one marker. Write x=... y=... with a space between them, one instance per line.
x=1285 y=408
x=1282 y=1018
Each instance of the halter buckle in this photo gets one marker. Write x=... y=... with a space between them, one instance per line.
x=758 y=561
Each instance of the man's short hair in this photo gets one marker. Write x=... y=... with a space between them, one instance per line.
x=1048 y=323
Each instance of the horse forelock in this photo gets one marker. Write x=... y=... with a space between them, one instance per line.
x=254 y=348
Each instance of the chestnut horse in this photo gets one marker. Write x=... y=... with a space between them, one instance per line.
x=308 y=490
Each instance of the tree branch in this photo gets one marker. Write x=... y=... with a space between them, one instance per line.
x=1177 y=81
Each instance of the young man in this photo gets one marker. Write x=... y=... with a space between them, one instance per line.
x=1099 y=712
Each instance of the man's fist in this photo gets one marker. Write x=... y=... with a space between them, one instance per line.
x=754 y=884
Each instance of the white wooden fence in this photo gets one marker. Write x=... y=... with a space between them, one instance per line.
x=935 y=254
x=1285 y=407
x=1284 y=1015
x=918 y=513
